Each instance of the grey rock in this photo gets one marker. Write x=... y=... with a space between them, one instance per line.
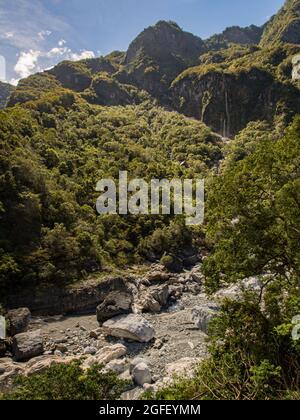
x=19 y=320
x=116 y=303
x=132 y=327
x=141 y=374
x=27 y=345
x=202 y=315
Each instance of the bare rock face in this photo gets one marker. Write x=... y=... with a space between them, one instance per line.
x=27 y=345
x=116 y=303
x=19 y=320
x=131 y=327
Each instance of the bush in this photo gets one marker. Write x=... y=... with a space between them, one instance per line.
x=68 y=382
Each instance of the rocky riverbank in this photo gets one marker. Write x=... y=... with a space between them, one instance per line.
x=152 y=328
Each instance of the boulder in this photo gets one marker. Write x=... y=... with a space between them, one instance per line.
x=141 y=374
x=184 y=366
x=235 y=291
x=90 y=350
x=117 y=366
x=202 y=315
x=10 y=371
x=157 y=276
x=132 y=327
x=115 y=303
x=27 y=345
x=152 y=299
x=105 y=355
x=136 y=361
x=19 y=320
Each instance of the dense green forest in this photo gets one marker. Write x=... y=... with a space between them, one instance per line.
x=225 y=109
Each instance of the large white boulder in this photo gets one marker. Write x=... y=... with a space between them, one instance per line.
x=132 y=327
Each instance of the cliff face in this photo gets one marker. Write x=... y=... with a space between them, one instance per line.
x=227 y=102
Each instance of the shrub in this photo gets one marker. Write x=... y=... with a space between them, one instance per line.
x=68 y=382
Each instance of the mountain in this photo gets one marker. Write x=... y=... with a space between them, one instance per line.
x=158 y=55
x=237 y=35
x=238 y=76
x=284 y=26
x=5 y=91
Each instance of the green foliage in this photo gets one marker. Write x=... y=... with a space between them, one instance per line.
x=284 y=26
x=256 y=214
x=68 y=382
x=53 y=152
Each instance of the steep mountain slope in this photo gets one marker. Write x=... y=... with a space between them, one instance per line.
x=284 y=26
x=236 y=35
x=158 y=55
x=228 y=95
x=5 y=92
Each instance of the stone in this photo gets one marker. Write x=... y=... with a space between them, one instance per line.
x=184 y=366
x=90 y=350
x=202 y=315
x=105 y=355
x=136 y=361
x=94 y=334
x=19 y=320
x=141 y=374
x=117 y=366
x=151 y=298
x=116 y=303
x=235 y=291
x=132 y=395
x=132 y=327
x=27 y=345
x=62 y=348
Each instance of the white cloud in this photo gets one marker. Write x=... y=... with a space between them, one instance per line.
x=33 y=61
x=62 y=42
x=27 y=63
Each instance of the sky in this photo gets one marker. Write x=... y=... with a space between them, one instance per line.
x=37 y=34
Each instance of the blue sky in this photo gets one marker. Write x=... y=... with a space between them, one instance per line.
x=36 y=34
